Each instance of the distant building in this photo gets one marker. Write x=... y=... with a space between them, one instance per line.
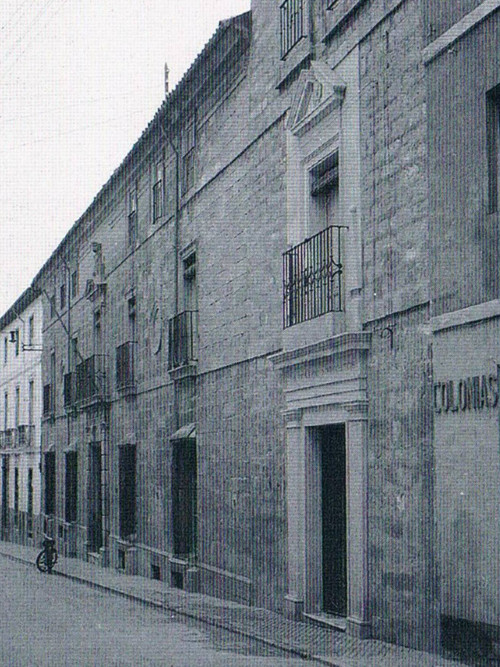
x=20 y=418
x=270 y=356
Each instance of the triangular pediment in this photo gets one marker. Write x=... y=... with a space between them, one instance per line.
x=319 y=91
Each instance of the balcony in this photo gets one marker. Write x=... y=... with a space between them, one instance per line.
x=312 y=277
x=182 y=340
x=25 y=435
x=7 y=438
x=90 y=380
x=125 y=375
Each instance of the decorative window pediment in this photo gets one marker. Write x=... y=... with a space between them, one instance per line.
x=319 y=91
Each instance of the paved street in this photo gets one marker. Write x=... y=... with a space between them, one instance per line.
x=49 y=620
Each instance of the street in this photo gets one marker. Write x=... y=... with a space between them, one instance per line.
x=50 y=620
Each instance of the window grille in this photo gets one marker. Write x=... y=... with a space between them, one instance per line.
x=292 y=24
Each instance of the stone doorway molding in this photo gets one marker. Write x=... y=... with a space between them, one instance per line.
x=325 y=384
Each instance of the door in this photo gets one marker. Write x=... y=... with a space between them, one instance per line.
x=5 y=497
x=95 y=499
x=334 y=522
x=184 y=497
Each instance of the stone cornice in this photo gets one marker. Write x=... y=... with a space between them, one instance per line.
x=332 y=347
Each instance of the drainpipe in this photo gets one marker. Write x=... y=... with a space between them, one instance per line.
x=176 y=248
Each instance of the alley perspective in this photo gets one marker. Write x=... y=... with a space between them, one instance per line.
x=262 y=366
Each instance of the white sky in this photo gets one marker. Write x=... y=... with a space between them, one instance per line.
x=79 y=82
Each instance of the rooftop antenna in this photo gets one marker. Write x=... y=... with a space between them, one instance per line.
x=167 y=71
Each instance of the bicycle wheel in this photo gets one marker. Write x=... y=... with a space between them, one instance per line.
x=41 y=561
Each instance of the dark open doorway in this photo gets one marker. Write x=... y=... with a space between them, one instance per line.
x=184 y=497
x=95 y=499
x=334 y=521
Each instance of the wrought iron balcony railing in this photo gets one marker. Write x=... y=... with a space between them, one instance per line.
x=182 y=339
x=312 y=277
x=7 y=438
x=125 y=375
x=90 y=381
x=25 y=435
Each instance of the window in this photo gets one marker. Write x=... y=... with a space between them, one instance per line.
x=52 y=381
x=132 y=216
x=74 y=284
x=324 y=184
x=71 y=486
x=5 y=410
x=31 y=395
x=31 y=330
x=50 y=482
x=127 y=468
x=190 y=290
x=5 y=350
x=62 y=299
x=493 y=146
x=73 y=351
x=17 y=406
x=131 y=317
x=52 y=306
x=16 y=334
x=292 y=24
x=157 y=190
x=188 y=144
x=97 y=331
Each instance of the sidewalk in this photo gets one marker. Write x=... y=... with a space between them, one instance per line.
x=326 y=646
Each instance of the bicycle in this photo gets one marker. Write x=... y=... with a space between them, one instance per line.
x=47 y=557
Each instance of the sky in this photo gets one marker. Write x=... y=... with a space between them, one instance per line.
x=79 y=82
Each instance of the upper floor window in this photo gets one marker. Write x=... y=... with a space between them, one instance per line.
x=158 y=190
x=74 y=284
x=16 y=335
x=5 y=350
x=292 y=24
x=63 y=296
x=132 y=216
x=52 y=306
x=188 y=144
x=493 y=146
x=31 y=330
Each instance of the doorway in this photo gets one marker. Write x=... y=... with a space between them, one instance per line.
x=95 y=499
x=332 y=451
x=184 y=497
x=5 y=497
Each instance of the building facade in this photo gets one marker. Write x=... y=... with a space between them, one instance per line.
x=462 y=67
x=257 y=378
x=20 y=419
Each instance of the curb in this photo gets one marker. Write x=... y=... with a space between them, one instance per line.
x=201 y=619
